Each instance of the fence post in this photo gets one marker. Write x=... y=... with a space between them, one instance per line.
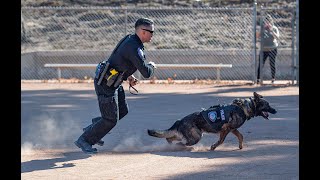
x=261 y=45
x=292 y=47
x=59 y=73
x=218 y=74
x=254 y=41
x=297 y=41
x=125 y=21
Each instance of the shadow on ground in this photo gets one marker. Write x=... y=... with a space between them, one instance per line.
x=45 y=164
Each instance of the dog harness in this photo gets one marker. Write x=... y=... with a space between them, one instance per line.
x=220 y=113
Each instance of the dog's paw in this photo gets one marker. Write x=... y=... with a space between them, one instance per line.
x=213 y=147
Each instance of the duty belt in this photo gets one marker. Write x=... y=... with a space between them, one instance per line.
x=113 y=77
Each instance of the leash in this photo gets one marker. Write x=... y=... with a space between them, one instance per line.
x=133 y=89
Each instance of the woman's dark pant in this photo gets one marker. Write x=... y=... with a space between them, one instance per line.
x=272 y=59
x=113 y=107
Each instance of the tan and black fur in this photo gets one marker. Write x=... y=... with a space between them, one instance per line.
x=188 y=131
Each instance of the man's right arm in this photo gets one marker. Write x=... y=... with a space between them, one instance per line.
x=275 y=32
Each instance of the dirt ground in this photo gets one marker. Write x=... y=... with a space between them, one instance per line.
x=53 y=115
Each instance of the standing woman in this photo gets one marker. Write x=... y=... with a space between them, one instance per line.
x=269 y=41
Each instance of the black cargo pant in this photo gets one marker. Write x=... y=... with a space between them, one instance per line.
x=113 y=107
x=272 y=60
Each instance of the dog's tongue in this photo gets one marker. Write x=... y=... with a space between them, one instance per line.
x=265 y=115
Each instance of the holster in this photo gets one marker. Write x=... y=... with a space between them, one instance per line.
x=115 y=80
x=119 y=80
x=101 y=71
x=111 y=79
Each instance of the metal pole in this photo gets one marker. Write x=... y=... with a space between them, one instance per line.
x=218 y=74
x=59 y=73
x=261 y=45
x=126 y=21
x=254 y=41
x=292 y=48
x=297 y=42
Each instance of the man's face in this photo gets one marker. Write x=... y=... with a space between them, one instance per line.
x=147 y=33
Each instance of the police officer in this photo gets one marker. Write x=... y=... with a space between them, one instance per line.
x=125 y=59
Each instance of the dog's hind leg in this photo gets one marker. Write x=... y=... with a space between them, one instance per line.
x=239 y=136
x=171 y=139
x=191 y=134
x=194 y=139
x=182 y=146
x=223 y=135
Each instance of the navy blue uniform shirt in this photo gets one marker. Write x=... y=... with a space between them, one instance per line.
x=130 y=57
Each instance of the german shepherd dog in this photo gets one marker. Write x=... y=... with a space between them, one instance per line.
x=220 y=119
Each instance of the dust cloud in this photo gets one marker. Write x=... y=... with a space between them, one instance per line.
x=49 y=131
x=134 y=143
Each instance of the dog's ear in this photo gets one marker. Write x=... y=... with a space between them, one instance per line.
x=256 y=95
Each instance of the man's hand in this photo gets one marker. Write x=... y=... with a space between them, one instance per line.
x=268 y=27
x=132 y=80
x=153 y=64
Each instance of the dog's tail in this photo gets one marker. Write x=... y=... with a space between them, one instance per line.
x=161 y=133
x=169 y=133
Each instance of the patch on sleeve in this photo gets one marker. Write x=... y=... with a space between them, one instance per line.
x=212 y=115
x=141 y=54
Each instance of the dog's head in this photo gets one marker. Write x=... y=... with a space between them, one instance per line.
x=262 y=106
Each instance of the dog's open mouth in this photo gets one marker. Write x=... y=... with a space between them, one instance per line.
x=265 y=115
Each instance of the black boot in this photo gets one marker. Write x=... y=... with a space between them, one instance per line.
x=94 y=120
x=85 y=146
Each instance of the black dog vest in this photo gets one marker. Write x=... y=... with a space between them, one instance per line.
x=220 y=113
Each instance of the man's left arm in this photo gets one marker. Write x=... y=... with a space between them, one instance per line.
x=138 y=60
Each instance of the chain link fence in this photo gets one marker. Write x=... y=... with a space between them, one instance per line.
x=182 y=36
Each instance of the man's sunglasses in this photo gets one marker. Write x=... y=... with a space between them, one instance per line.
x=148 y=31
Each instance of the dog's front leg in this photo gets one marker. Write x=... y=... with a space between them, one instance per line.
x=239 y=136
x=223 y=135
x=226 y=127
